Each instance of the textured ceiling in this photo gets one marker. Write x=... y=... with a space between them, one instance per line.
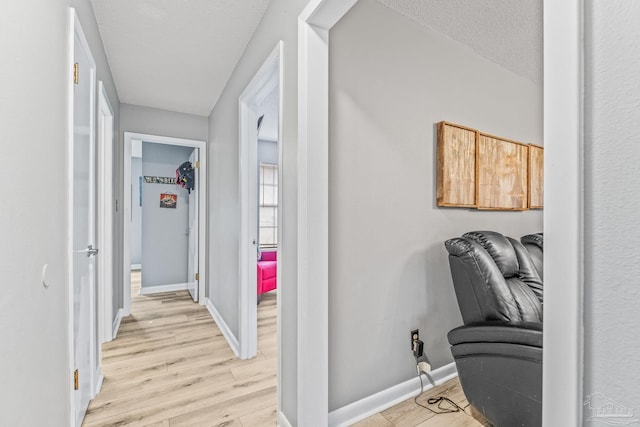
x=178 y=55
x=175 y=55
x=508 y=33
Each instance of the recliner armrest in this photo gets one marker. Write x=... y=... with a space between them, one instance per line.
x=522 y=333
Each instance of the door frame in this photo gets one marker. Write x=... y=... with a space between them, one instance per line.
x=563 y=256
x=268 y=76
x=202 y=211
x=75 y=29
x=193 y=197
x=314 y=24
x=562 y=361
x=106 y=137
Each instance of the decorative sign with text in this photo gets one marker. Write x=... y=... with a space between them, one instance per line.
x=160 y=180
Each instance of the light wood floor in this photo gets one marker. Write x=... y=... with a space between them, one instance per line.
x=170 y=366
x=408 y=414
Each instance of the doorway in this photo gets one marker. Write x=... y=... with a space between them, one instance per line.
x=562 y=217
x=260 y=219
x=174 y=227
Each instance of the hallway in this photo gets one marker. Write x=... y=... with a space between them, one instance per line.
x=170 y=366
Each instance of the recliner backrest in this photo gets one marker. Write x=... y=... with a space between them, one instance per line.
x=534 y=243
x=494 y=278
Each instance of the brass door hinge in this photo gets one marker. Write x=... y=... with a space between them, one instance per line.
x=197 y=276
x=76 y=73
x=198 y=164
x=76 y=382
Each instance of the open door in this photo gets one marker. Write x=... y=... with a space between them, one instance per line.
x=83 y=225
x=192 y=269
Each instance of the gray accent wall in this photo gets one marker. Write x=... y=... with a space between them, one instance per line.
x=279 y=23
x=611 y=204
x=388 y=268
x=164 y=230
x=136 y=211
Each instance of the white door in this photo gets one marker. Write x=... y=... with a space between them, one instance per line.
x=193 y=231
x=83 y=228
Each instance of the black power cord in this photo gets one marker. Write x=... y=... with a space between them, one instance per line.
x=439 y=400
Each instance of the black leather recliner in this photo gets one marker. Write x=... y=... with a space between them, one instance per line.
x=498 y=350
x=534 y=243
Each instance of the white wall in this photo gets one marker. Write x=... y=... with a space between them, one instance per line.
x=34 y=364
x=33 y=223
x=269 y=108
x=279 y=23
x=612 y=202
x=388 y=268
x=267 y=152
x=164 y=236
x=161 y=122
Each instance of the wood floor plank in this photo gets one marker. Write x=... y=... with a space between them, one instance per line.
x=249 y=370
x=409 y=414
x=263 y=417
x=228 y=410
x=376 y=420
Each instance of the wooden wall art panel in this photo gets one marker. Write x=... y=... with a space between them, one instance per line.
x=502 y=174
x=536 y=177
x=456 y=166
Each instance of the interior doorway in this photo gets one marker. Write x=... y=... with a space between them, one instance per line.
x=173 y=228
x=260 y=192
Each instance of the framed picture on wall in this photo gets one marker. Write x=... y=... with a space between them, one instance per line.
x=168 y=200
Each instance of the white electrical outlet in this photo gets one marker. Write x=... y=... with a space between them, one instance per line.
x=424 y=367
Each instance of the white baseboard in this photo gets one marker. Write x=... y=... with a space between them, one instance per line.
x=282 y=420
x=380 y=401
x=116 y=323
x=136 y=267
x=224 y=328
x=147 y=290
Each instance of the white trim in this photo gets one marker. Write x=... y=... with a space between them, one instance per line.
x=313 y=207
x=266 y=78
x=562 y=366
x=116 y=323
x=105 y=215
x=70 y=333
x=384 y=399
x=280 y=231
x=126 y=227
x=282 y=421
x=148 y=290
x=224 y=328
x=136 y=267
x=202 y=214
